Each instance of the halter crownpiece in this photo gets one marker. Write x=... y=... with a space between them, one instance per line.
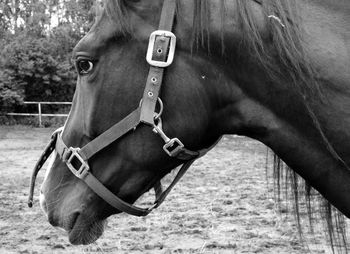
x=160 y=54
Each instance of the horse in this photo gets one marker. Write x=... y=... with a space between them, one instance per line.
x=275 y=71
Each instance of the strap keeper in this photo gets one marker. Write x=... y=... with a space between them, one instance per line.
x=65 y=154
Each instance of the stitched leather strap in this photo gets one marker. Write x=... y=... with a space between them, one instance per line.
x=112 y=199
x=50 y=147
x=177 y=178
x=150 y=94
x=160 y=53
x=116 y=202
x=167 y=17
x=111 y=135
x=98 y=187
x=154 y=81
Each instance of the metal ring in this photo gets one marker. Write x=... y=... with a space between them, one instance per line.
x=161 y=107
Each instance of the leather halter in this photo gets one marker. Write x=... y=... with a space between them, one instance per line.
x=160 y=55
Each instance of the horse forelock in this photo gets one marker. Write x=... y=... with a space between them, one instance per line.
x=115 y=11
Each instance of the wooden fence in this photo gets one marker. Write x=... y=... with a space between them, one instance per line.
x=40 y=114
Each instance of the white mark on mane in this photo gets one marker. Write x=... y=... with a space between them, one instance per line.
x=278 y=20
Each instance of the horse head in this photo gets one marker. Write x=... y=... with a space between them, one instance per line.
x=110 y=61
x=236 y=70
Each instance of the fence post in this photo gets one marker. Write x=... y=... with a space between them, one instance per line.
x=39 y=111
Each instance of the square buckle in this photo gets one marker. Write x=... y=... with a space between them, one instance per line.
x=171 y=52
x=173 y=147
x=76 y=164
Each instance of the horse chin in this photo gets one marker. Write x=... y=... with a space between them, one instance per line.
x=86 y=230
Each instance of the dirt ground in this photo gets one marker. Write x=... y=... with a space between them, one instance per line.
x=223 y=205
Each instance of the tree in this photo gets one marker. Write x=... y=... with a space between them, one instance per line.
x=36 y=40
x=39 y=69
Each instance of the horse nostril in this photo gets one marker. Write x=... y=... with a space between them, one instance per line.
x=73 y=220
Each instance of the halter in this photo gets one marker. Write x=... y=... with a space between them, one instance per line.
x=160 y=54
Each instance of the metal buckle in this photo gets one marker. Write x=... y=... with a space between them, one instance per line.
x=74 y=158
x=171 y=52
x=173 y=147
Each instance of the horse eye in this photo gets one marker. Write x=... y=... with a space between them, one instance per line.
x=84 y=66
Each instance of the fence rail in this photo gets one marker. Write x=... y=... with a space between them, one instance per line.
x=40 y=114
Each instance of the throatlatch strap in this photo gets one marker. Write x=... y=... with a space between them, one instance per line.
x=177 y=178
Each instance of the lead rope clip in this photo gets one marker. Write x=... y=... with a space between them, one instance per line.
x=173 y=146
x=158 y=129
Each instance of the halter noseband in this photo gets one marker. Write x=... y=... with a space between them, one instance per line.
x=160 y=54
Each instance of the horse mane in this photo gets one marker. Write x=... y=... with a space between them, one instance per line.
x=288 y=61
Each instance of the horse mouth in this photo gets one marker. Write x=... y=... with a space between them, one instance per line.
x=85 y=230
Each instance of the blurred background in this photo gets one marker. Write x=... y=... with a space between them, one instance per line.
x=36 y=41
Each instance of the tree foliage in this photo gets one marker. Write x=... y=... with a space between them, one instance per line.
x=37 y=69
x=36 y=40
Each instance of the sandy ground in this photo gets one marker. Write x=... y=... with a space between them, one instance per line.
x=223 y=205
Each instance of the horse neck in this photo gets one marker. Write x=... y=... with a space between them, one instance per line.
x=278 y=116
x=297 y=143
